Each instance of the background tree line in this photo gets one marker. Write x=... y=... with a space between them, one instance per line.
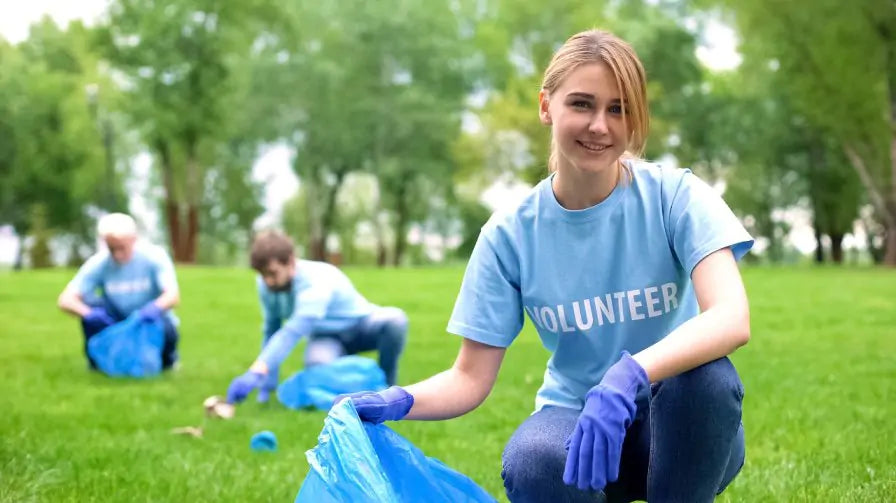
x=400 y=113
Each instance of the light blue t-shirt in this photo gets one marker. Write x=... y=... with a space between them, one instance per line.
x=612 y=277
x=320 y=292
x=130 y=286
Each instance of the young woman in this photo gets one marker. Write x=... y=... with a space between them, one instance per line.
x=628 y=271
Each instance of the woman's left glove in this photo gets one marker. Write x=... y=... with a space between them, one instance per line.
x=595 y=446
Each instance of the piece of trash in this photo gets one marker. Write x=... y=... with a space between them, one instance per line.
x=216 y=406
x=263 y=441
x=195 y=431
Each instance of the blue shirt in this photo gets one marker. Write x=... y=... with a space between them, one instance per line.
x=130 y=286
x=319 y=292
x=612 y=277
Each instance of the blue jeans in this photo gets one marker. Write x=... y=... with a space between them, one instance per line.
x=686 y=444
x=169 y=348
x=385 y=331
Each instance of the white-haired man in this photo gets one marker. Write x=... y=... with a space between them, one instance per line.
x=128 y=276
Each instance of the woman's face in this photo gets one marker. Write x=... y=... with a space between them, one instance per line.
x=585 y=114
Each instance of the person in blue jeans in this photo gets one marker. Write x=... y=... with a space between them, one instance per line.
x=319 y=301
x=628 y=271
x=128 y=276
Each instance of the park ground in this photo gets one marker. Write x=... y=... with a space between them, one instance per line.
x=819 y=408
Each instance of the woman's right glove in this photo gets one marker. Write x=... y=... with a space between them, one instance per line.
x=391 y=404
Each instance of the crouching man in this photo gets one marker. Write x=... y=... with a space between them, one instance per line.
x=302 y=298
x=127 y=276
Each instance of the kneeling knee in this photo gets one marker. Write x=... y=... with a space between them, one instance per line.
x=521 y=471
x=397 y=327
x=713 y=381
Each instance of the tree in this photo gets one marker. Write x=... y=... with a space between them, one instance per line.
x=231 y=201
x=51 y=154
x=376 y=87
x=840 y=65
x=744 y=131
x=182 y=62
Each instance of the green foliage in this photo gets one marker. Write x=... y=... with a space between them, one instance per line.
x=837 y=69
x=184 y=62
x=386 y=88
x=817 y=377
x=381 y=90
x=50 y=149
x=295 y=219
x=230 y=204
x=473 y=216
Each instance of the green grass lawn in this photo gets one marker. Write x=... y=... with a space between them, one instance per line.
x=819 y=375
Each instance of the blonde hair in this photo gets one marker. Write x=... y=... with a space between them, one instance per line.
x=117 y=225
x=597 y=46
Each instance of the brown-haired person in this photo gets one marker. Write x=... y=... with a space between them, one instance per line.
x=628 y=271
x=305 y=298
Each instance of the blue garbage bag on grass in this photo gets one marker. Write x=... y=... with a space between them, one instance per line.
x=129 y=348
x=357 y=462
x=319 y=385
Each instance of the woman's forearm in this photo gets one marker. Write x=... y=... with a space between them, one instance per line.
x=709 y=336
x=461 y=388
x=722 y=327
x=448 y=394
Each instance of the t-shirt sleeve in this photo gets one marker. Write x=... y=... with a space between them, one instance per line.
x=312 y=302
x=164 y=271
x=90 y=276
x=488 y=308
x=699 y=222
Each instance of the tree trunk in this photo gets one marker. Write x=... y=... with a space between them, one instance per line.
x=890 y=246
x=381 y=255
x=189 y=224
x=401 y=222
x=885 y=209
x=192 y=238
x=321 y=221
x=317 y=248
x=381 y=250
x=173 y=215
x=329 y=216
x=182 y=217
x=816 y=162
x=20 y=253
x=819 y=248
x=836 y=248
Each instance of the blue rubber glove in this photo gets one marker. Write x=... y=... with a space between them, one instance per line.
x=151 y=312
x=595 y=446
x=242 y=385
x=391 y=404
x=98 y=316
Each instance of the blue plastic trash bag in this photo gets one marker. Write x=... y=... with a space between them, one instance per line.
x=129 y=348
x=319 y=385
x=357 y=462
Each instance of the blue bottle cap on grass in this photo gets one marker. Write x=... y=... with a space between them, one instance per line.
x=264 y=441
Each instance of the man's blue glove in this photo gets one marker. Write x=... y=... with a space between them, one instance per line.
x=98 y=316
x=242 y=385
x=151 y=312
x=595 y=446
x=391 y=404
